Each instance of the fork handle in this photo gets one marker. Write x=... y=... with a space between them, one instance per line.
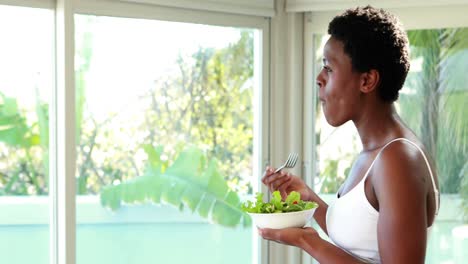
x=280 y=168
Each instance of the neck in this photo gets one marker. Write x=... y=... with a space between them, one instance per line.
x=377 y=126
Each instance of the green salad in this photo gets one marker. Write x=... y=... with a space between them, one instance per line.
x=293 y=203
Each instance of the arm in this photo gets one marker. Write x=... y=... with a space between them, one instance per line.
x=309 y=240
x=401 y=189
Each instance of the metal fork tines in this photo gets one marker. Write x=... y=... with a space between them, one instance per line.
x=290 y=162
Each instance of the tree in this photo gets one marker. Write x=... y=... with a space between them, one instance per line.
x=24 y=150
x=207 y=104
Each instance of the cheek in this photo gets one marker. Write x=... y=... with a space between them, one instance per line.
x=339 y=104
x=334 y=96
x=341 y=91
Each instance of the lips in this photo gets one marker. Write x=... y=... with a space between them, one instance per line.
x=320 y=97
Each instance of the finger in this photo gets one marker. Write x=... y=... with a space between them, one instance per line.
x=268 y=179
x=273 y=177
x=284 y=187
x=266 y=233
x=279 y=182
x=273 y=185
x=268 y=172
x=273 y=180
x=272 y=234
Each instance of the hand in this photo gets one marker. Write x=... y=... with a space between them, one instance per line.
x=286 y=183
x=288 y=236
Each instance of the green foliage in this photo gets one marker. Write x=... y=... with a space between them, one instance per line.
x=331 y=180
x=25 y=174
x=209 y=104
x=13 y=128
x=189 y=182
x=435 y=107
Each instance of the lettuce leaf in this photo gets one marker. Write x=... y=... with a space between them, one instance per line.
x=293 y=203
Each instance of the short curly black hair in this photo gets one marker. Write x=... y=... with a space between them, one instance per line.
x=374 y=39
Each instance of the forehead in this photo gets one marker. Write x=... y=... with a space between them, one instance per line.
x=333 y=52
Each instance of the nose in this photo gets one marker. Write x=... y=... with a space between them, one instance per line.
x=319 y=84
x=320 y=80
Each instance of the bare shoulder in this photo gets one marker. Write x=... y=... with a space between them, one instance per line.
x=400 y=166
x=403 y=155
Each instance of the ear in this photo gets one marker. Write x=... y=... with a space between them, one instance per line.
x=369 y=81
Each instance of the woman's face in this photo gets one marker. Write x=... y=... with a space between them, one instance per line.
x=338 y=85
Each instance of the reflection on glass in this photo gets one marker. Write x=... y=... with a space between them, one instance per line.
x=164 y=120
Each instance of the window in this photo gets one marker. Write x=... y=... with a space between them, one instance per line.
x=432 y=104
x=165 y=121
x=26 y=82
x=166 y=100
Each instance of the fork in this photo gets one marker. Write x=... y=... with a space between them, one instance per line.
x=290 y=162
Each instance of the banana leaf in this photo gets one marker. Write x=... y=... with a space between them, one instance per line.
x=190 y=182
x=13 y=127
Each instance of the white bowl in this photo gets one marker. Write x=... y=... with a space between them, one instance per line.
x=283 y=220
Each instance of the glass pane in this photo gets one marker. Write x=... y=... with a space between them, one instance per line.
x=26 y=82
x=165 y=151
x=432 y=103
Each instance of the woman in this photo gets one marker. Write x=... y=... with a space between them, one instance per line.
x=385 y=208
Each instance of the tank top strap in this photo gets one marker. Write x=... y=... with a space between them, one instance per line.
x=378 y=155
x=436 y=192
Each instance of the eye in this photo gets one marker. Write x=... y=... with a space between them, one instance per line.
x=327 y=68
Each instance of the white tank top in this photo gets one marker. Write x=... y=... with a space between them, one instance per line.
x=352 y=221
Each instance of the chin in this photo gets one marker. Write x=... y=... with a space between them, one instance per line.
x=333 y=122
